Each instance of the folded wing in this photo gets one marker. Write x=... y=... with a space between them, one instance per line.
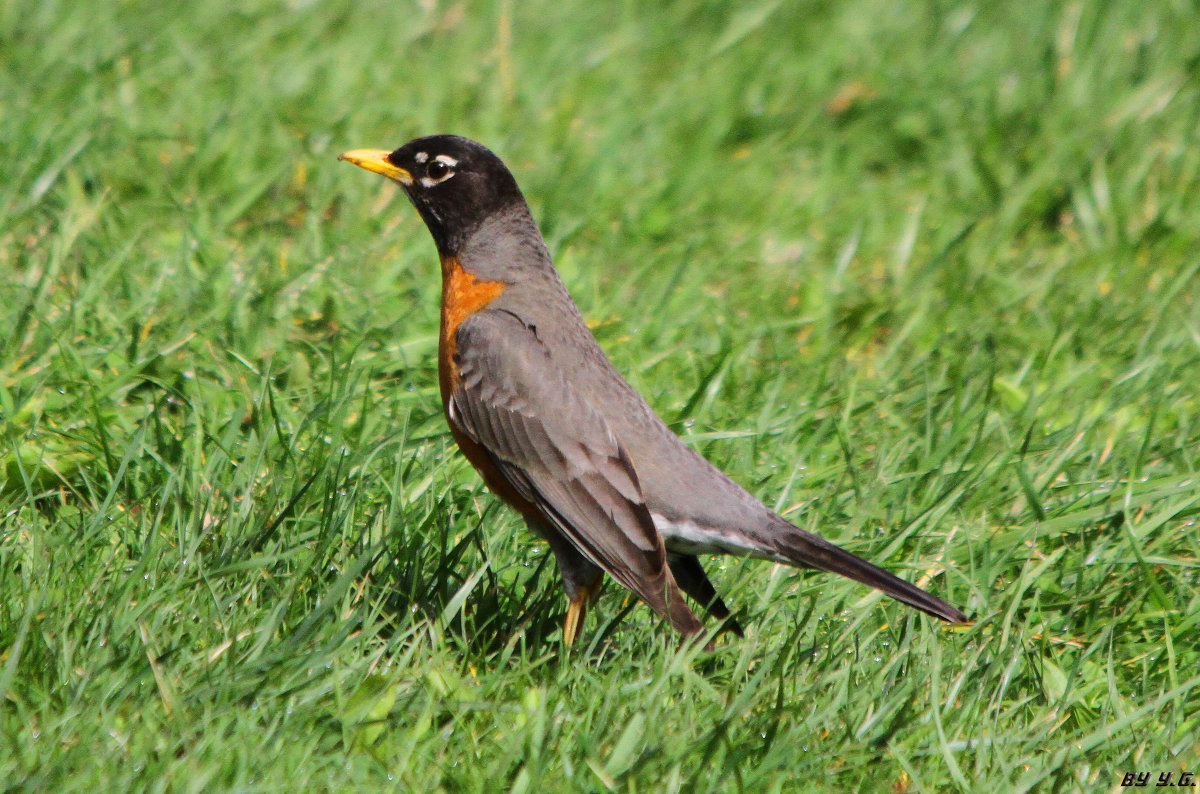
x=559 y=453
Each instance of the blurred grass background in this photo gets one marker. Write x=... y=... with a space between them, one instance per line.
x=923 y=275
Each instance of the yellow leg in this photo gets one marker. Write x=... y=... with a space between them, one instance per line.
x=575 y=613
x=577 y=610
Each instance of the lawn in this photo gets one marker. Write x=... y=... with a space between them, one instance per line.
x=923 y=276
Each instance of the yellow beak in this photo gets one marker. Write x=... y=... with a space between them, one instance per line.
x=376 y=160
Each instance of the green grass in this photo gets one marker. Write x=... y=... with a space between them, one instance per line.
x=924 y=276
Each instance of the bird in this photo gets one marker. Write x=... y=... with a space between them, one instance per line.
x=555 y=431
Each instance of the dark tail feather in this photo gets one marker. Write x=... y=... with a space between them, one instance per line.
x=690 y=577
x=804 y=548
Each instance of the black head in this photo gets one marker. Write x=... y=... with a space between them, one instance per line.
x=455 y=183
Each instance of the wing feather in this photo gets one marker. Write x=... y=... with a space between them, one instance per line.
x=559 y=453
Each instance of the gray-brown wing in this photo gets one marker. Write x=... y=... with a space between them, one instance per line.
x=559 y=453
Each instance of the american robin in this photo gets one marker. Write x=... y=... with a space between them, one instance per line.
x=554 y=429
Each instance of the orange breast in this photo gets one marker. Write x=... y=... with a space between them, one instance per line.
x=462 y=296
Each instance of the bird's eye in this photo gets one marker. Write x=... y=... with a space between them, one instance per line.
x=438 y=170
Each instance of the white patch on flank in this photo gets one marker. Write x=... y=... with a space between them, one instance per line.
x=688 y=537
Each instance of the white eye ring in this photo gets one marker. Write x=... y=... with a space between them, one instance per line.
x=441 y=169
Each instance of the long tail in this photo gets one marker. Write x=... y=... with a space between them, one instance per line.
x=813 y=551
